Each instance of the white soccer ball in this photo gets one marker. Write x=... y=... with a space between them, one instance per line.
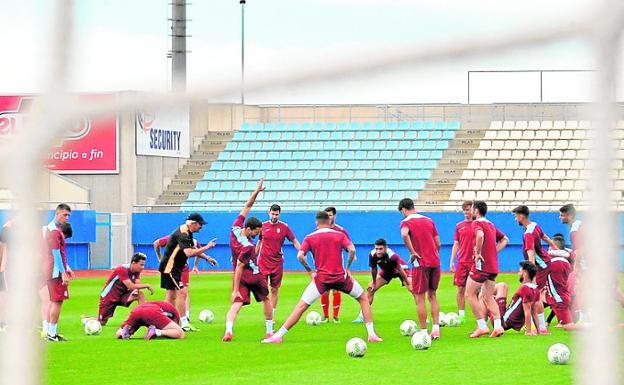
x=206 y=316
x=313 y=318
x=356 y=347
x=558 y=354
x=408 y=328
x=442 y=319
x=92 y=327
x=421 y=340
x=452 y=319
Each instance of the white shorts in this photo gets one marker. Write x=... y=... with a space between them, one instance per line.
x=311 y=293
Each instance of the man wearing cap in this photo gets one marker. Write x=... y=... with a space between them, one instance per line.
x=179 y=248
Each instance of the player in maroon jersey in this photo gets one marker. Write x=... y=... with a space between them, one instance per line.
x=326 y=246
x=337 y=295
x=421 y=238
x=462 y=255
x=269 y=249
x=489 y=241
x=535 y=253
x=567 y=215
x=161 y=319
x=248 y=279
x=559 y=294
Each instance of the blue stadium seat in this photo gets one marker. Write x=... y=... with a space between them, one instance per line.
x=310 y=136
x=424 y=155
x=267 y=146
x=308 y=196
x=303 y=184
x=329 y=145
x=392 y=125
x=454 y=125
x=307 y=126
x=405 y=145
x=442 y=145
x=380 y=126
x=343 y=126
x=283 y=174
x=436 y=135
x=324 y=135
x=208 y=175
x=334 y=196
x=430 y=145
x=312 y=145
x=441 y=126
x=424 y=135
x=385 y=195
x=330 y=127
x=392 y=144
x=449 y=134
x=206 y=196
x=316 y=164
x=281 y=146
x=417 y=125
x=411 y=135
x=429 y=125
x=353 y=185
x=300 y=135
x=410 y=154
x=392 y=185
x=201 y=186
x=298 y=155
x=367 y=145
x=404 y=125
x=224 y=155
x=368 y=126
x=243 y=146
x=255 y=146
x=236 y=156
x=373 y=135
x=285 y=155
x=246 y=126
x=288 y=136
x=218 y=165
x=361 y=135
x=386 y=135
x=322 y=174
x=296 y=196
x=379 y=145
x=436 y=154
x=335 y=135
x=356 y=126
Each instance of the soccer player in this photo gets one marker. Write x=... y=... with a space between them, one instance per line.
x=248 y=278
x=559 y=294
x=534 y=252
x=326 y=246
x=180 y=247
x=391 y=266
x=336 y=296
x=57 y=271
x=489 y=241
x=421 y=238
x=521 y=309
x=161 y=319
x=271 y=258
x=462 y=254
x=567 y=215
x=184 y=294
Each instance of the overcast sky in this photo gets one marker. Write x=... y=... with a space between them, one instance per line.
x=122 y=45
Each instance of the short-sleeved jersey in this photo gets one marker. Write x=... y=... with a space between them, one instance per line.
x=342 y=230
x=55 y=241
x=388 y=263
x=533 y=241
x=243 y=249
x=174 y=257
x=142 y=314
x=422 y=233
x=491 y=236
x=114 y=288
x=162 y=242
x=326 y=246
x=273 y=236
x=514 y=316
x=464 y=236
x=575 y=234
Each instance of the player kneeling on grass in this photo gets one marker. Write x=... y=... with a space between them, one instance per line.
x=391 y=266
x=161 y=319
x=122 y=287
x=326 y=246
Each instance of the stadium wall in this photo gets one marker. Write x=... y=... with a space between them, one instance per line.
x=363 y=227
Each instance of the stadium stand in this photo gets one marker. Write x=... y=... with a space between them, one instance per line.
x=307 y=165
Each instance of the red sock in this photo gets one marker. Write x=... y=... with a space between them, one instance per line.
x=337 y=301
x=325 y=304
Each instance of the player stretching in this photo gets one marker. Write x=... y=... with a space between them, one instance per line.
x=489 y=241
x=180 y=247
x=122 y=287
x=521 y=309
x=337 y=296
x=161 y=319
x=567 y=215
x=462 y=253
x=326 y=246
x=247 y=275
x=559 y=294
x=421 y=238
x=534 y=252
x=184 y=295
x=57 y=271
x=391 y=266
x=271 y=258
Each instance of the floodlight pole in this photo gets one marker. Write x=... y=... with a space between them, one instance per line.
x=242 y=3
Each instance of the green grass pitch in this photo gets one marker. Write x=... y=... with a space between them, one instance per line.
x=309 y=354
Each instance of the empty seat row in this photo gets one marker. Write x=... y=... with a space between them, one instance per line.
x=341 y=135
x=353 y=126
x=527 y=164
x=526 y=184
x=561 y=144
x=297 y=196
x=324 y=155
x=524 y=196
x=341 y=185
x=323 y=165
x=531 y=154
x=340 y=145
x=536 y=124
x=544 y=134
x=505 y=174
x=307 y=174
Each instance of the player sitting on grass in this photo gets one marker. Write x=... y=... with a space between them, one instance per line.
x=122 y=287
x=391 y=266
x=326 y=246
x=161 y=319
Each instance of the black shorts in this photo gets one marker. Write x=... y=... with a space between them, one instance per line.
x=171 y=281
x=3 y=285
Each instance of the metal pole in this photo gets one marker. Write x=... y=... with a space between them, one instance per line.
x=468 y=87
x=178 y=45
x=242 y=3
x=541 y=86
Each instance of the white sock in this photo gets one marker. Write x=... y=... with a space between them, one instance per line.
x=158 y=332
x=497 y=323
x=269 y=325
x=229 y=326
x=184 y=321
x=188 y=314
x=462 y=313
x=481 y=324
x=44 y=326
x=370 y=328
x=52 y=329
x=435 y=328
x=281 y=332
x=542 y=321
x=424 y=330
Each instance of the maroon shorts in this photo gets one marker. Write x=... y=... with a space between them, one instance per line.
x=344 y=284
x=186 y=275
x=275 y=277
x=255 y=284
x=58 y=291
x=563 y=313
x=425 y=279
x=461 y=274
x=108 y=306
x=482 y=276
x=390 y=275
x=541 y=278
x=146 y=316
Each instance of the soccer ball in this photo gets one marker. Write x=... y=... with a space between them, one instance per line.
x=408 y=327
x=206 y=316
x=313 y=318
x=421 y=340
x=442 y=319
x=92 y=327
x=452 y=319
x=558 y=354
x=356 y=347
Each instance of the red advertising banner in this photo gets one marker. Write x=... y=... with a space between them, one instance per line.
x=90 y=146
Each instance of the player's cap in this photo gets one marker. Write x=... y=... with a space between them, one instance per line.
x=196 y=217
